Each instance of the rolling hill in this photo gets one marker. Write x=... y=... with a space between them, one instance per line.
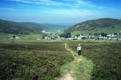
x=33 y=25
x=47 y=27
x=106 y=25
x=10 y=27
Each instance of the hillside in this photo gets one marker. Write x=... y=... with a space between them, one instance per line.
x=33 y=25
x=10 y=27
x=106 y=25
x=47 y=27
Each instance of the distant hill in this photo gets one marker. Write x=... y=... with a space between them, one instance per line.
x=11 y=27
x=47 y=27
x=106 y=25
x=34 y=25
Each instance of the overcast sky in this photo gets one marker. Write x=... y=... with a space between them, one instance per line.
x=59 y=11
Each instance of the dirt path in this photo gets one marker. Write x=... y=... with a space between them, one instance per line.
x=79 y=69
x=67 y=77
x=68 y=69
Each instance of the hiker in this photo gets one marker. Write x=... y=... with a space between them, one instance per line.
x=79 y=50
x=35 y=77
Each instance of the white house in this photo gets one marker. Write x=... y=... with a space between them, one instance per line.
x=46 y=38
x=81 y=37
x=45 y=32
x=70 y=38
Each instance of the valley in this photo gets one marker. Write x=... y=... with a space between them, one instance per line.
x=31 y=53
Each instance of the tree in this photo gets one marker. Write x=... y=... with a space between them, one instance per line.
x=90 y=34
x=77 y=35
x=104 y=34
x=96 y=34
x=67 y=35
x=115 y=33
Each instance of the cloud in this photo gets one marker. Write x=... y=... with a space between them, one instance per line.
x=42 y=2
x=55 y=16
x=71 y=13
x=8 y=9
x=70 y=16
x=71 y=3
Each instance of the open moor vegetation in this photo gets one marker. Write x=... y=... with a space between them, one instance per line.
x=106 y=58
x=32 y=60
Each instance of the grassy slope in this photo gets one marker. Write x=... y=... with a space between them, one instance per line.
x=105 y=58
x=98 y=30
x=104 y=25
x=25 y=61
x=10 y=27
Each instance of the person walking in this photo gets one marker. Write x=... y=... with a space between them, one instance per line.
x=79 y=49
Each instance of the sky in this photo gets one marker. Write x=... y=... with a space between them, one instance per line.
x=59 y=11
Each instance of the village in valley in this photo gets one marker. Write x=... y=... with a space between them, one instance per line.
x=68 y=36
x=60 y=35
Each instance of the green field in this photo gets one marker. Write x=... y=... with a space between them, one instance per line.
x=29 y=60
x=21 y=36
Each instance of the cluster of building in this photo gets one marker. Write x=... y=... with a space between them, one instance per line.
x=57 y=36
x=93 y=37
x=50 y=36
